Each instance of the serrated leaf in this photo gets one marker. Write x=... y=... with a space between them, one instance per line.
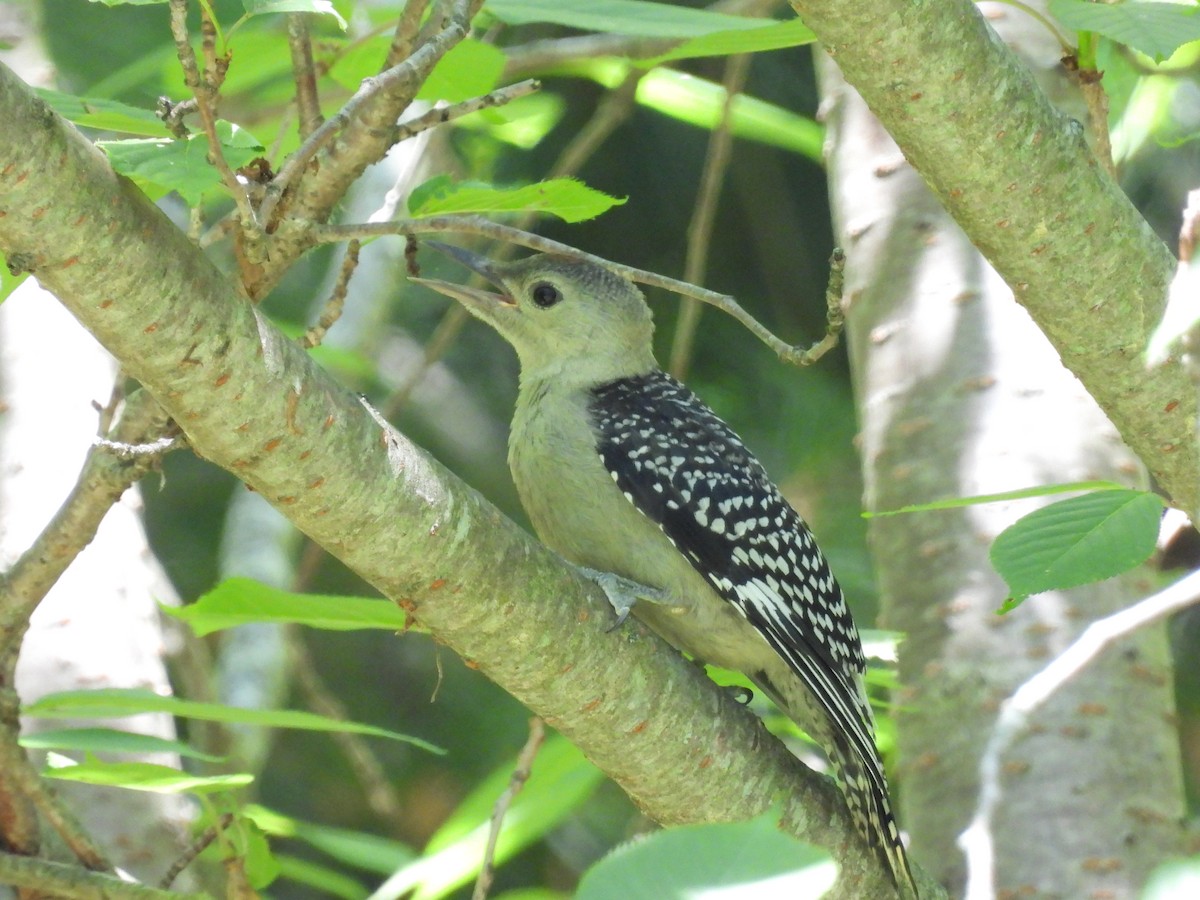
x=695 y=860
x=1077 y=541
x=181 y=164
x=1156 y=29
x=109 y=740
x=120 y=702
x=107 y=115
x=139 y=776
x=637 y=17
x=567 y=198
x=239 y=601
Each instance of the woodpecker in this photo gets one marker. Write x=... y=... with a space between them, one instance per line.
x=623 y=470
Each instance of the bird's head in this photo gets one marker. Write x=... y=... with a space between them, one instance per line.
x=564 y=316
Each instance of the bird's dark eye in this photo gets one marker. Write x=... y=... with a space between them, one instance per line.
x=545 y=294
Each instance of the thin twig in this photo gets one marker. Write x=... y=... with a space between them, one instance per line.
x=405 y=37
x=205 y=93
x=381 y=797
x=308 y=101
x=442 y=115
x=487 y=871
x=796 y=355
x=102 y=481
x=198 y=846
x=61 y=818
x=416 y=66
x=716 y=162
x=337 y=299
x=976 y=840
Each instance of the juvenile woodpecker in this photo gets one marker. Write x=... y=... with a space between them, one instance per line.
x=624 y=470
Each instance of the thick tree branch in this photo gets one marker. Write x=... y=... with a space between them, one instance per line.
x=253 y=402
x=1019 y=178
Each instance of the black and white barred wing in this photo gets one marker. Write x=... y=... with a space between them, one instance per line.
x=686 y=470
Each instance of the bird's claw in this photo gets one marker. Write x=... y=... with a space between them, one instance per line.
x=622 y=593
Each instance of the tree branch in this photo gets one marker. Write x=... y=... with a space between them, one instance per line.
x=253 y=402
x=1019 y=178
x=62 y=880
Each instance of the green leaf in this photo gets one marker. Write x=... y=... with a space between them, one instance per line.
x=181 y=165
x=108 y=115
x=1156 y=29
x=259 y=862
x=1042 y=490
x=700 y=102
x=750 y=859
x=636 y=17
x=109 y=740
x=567 y=198
x=370 y=852
x=317 y=7
x=327 y=882
x=522 y=123
x=120 y=702
x=239 y=601
x=139 y=776
x=559 y=781
x=1077 y=541
x=468 y=70
x=775 y=36
x=129 y=2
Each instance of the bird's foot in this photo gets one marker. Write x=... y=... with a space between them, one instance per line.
x=622 y=593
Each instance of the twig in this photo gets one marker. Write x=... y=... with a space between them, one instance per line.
x=442 y=115
x=60 y=817
x=101 y=482
x=198 y=846
x=416 y=66
x=716 y=161
x=20 y=830
x=337 y=299
x=976 y=840
x=205 y=92
x=62 y=880
x=487 y=871
x=381 y=797
x=308 y=103
x=796 y=355
x=405 y=37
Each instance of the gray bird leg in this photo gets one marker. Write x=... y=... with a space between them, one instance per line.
x=622 y=593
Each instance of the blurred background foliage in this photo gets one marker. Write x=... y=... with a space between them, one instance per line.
x=770 y=249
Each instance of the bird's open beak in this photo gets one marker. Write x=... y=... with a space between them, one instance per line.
x=481 y=265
